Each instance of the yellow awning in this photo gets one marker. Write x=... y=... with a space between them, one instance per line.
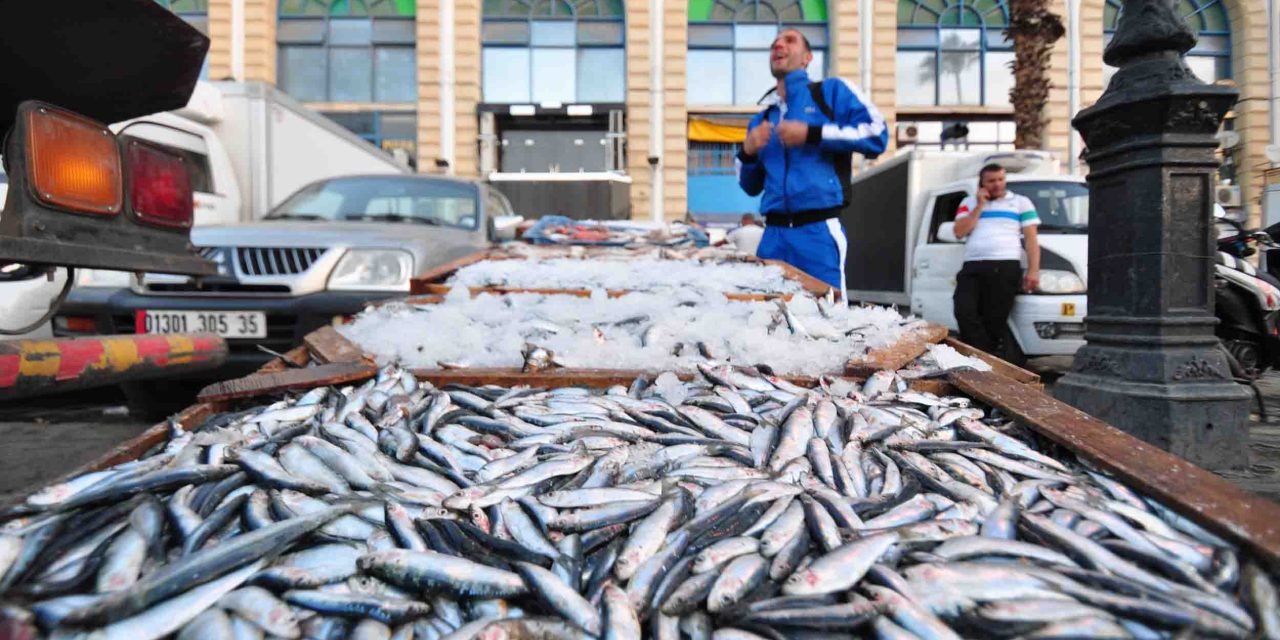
x=708 y=131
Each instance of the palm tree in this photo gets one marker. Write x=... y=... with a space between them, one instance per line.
x=1033 y=29
x=954 y=64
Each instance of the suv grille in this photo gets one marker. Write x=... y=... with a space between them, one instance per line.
x=275 y=261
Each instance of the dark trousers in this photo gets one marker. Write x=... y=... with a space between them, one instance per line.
x=985 y=291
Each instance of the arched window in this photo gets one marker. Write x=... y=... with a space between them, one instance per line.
x=347 y=50
x=567 y=51
x=729 y=42
x=196 y=14
x=1211 y=57
x=953 y=53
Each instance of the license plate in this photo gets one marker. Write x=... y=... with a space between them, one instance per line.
x=228 y=324
x=1069 y=309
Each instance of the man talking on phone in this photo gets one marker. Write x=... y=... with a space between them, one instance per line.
x=999 y=225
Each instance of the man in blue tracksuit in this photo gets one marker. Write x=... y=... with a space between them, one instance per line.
x=797 y=152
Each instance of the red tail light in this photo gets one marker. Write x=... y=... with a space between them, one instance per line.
x=160 y=187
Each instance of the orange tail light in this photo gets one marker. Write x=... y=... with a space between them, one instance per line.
x=74 y=163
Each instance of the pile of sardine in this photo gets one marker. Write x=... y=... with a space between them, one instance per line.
x=736 y=506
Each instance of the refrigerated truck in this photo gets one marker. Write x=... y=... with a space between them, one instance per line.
x=903 y=250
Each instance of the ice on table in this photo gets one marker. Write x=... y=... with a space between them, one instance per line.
x=605 y=333
x=639 y=274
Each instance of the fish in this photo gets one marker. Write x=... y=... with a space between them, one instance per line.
x=730 y=505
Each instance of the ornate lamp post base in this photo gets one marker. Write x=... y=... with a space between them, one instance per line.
x=1152 y=365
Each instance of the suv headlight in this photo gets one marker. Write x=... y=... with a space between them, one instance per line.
x=103 y=278
x=373 y=270
x=1057 y=281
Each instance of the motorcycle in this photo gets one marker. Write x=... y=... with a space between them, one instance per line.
x=1247 y=301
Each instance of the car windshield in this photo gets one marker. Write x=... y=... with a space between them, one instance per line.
x=384 y=199
x=1063 y=206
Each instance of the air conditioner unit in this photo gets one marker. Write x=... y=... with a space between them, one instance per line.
x=907 y=133
x=1228 y=195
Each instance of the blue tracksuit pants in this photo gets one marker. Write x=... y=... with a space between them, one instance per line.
x=818 y=249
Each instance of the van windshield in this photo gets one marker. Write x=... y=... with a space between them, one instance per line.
x=1063 y=206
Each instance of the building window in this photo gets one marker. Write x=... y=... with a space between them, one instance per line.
x=1210 y=60
x=196 y=14
x=386 y=130
x=347 y=50
x=729 y=40
x=567 y=51
x=953 y=53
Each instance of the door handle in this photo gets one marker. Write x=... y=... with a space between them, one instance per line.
x=924 y=264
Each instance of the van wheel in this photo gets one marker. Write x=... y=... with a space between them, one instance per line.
x=156 y=400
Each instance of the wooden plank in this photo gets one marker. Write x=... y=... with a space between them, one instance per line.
x=293 y=358
x=441 y=273
x=1212 y=502
x=999 y=365
x=807 y=282
x=260 y=384
x=190 y=418
x=328 y=346
x=898 y=355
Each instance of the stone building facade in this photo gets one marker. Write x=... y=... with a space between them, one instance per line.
x=571 y=85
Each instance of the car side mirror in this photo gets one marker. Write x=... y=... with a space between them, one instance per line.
x=947 y=233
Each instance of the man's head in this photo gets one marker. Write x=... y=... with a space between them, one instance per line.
x=790 y=51
x=748 y=219
x=992 y=178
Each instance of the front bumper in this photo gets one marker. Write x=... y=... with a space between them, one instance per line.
x=288 y=319
x=1049 y=325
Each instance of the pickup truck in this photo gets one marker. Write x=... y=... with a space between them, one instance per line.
x=317 y=258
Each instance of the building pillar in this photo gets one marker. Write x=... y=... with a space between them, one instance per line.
x=884 y=80
x=260 y=18
x=427 y=25
x=219 y=39
x=1152 y=365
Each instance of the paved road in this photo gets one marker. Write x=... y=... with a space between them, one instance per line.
x=44 y=438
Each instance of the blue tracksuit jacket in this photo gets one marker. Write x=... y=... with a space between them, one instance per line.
x=801 y=179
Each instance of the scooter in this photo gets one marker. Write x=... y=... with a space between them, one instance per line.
x=1247 y=301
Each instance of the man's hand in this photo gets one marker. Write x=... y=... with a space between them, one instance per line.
x=984 y=197
x=757 y=138
x=792 y=133
x=1030 y=281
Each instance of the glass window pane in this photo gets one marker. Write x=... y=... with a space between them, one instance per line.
x=817 y=68
x=999 y=78
x=551 y=80
x=984 y=132
x=402 y=126
x=396 y=75
x=754 y=36
x=494 y=32
x=710 y=35
x=201 y=23
x=302 y=72
x=359 y=122
x=552 y=34
x=709 y=77
x=602 y=75
x=918 y=38
x=393 y=31
x=751 y=76
x=917 y=78
x=357 y=31
x=959 y=75
x=961 y=39
x=817 y=34
x=1212 y=44
x=600 y=32
x=300 y=32
x=350 y=75
x=505 y=72
x=997 y=40
x=1205 y=67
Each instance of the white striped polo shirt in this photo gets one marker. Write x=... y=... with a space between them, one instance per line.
x=998 y=235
